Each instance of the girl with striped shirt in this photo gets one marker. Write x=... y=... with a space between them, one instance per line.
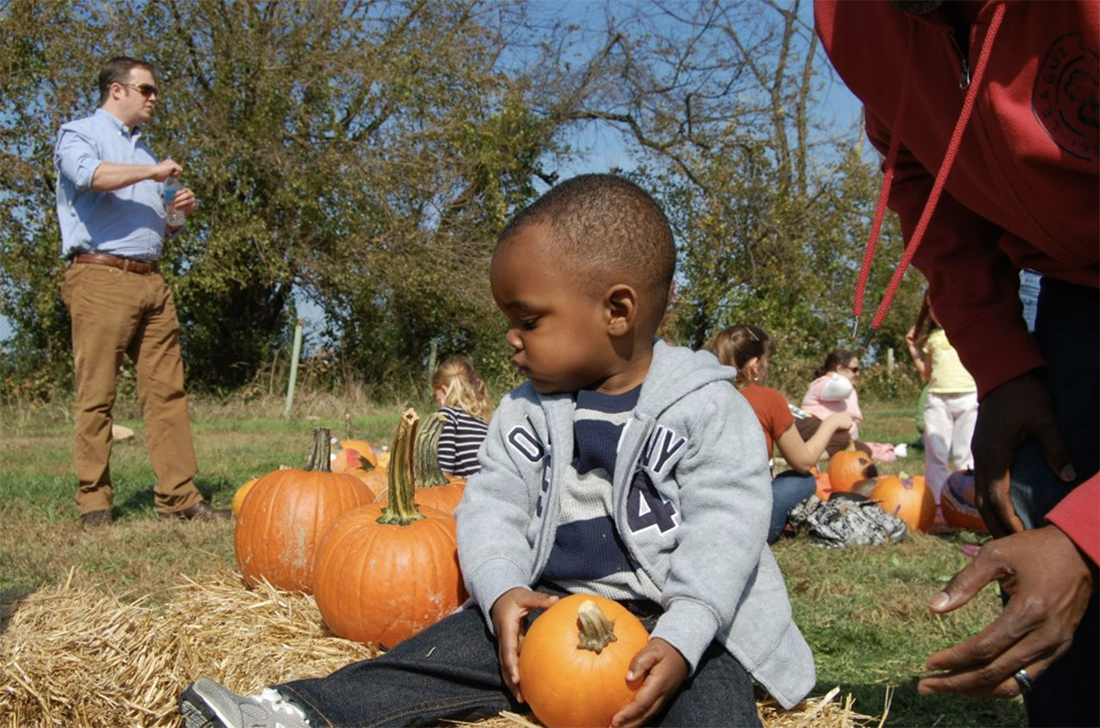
x=465 y=403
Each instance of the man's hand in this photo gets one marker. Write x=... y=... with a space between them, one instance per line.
x=1048 y=582
x=164 y=169
x=185 y=200
x=508 y=614
x=662 y=668
x=1007 y=416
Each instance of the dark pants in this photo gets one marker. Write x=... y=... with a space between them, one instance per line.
x=1067 y=328
x=451 y=671
x=788 y=490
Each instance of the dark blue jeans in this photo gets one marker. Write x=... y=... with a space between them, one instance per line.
x=450 y=671
x=1067 y=328
x=788 y=490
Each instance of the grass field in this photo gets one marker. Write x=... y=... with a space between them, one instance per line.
x=863 y=611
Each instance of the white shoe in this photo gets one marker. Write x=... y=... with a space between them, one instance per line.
x=206 y=704
x=901 y=450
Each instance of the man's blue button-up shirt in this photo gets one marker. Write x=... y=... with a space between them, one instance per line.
x=129 y=221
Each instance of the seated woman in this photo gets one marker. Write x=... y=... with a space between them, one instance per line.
x=832 y=391
x=749 y=349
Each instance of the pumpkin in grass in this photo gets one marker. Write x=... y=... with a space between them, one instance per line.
x=822 y=487
x=433 y=488
x=284 y=516
x=574 y=658
x=959 y=503
x=346 y=455
x=238 y=497
x=908 y=498
x=382 y=574
x=848 y=467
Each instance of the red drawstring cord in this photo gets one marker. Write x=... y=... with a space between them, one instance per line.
x=937 y=186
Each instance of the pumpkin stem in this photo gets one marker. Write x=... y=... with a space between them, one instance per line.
x=427 y=470
x=402 y=510
x=320 y=454
x=596 y=630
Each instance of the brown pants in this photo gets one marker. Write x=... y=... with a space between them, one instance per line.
x=114 y=314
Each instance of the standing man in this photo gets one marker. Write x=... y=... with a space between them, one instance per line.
x=987 y=114
x=112 y=213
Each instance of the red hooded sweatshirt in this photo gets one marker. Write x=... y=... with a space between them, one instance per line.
x=1023 y=189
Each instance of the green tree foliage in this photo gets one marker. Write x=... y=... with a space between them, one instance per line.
x=771 y=208
x=367 y=152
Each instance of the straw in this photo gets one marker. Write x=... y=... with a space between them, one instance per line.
x=86 y=656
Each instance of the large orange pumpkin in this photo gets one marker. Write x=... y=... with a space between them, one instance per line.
x=382 y=574
x=848 y=467
x=285 y=514
x=908 y=498
x=574 y=659
x=959 y=503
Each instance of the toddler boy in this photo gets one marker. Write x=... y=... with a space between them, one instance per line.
x=622 y=467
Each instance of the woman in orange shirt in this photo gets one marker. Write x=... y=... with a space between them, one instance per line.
x=748 y=348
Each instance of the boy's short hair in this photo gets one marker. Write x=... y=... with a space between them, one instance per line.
x=611 y=228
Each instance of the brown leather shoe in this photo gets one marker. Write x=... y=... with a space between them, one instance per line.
x=201 y=511
x=93 y=519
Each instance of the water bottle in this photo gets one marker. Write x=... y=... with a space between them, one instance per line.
x=172 y=216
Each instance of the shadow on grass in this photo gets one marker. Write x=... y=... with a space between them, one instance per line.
x=138 y=502
x=908 y=709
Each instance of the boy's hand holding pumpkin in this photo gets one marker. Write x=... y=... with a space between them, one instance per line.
x=508 y=614
x=663 y=669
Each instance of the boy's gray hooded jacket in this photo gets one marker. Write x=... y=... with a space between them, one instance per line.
x=699 y=532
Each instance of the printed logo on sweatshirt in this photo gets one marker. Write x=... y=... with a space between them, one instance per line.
x=1065 y=98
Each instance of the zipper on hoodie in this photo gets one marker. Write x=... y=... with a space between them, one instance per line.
x=964 y=77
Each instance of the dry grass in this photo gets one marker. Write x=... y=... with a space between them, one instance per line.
x=81 y=655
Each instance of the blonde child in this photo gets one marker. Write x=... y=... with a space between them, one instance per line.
x=466 y=406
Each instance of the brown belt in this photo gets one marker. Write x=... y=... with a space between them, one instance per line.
x=127 y=264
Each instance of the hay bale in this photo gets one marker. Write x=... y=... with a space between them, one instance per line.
x=72 y=656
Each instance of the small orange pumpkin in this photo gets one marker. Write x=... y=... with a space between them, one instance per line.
x=238 y=497
x=285 y=514
x=383 y=574
x=959 y=503
x=574 y=659
x=823 y=488
x=363 y=448
x=848 y=467
x=908 y=498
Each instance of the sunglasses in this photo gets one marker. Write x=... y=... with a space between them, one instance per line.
x=144 y=89
x=853 y=370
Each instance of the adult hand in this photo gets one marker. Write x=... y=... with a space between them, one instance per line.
x=662 y=668
x=1048 y=582
x=185 y=200
x=166 y=168
x=508 y=613
x=1007 y=416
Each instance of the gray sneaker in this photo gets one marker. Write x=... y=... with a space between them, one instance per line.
x=206 y=704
